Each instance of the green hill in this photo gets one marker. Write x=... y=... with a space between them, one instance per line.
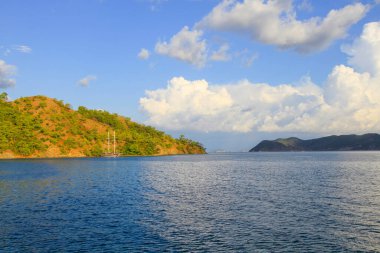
x=43 y=127
x=329 y=143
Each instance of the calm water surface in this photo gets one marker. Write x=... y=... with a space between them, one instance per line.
x=245 y=202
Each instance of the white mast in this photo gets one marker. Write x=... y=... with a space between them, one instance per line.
x=108 y=141
x=114 y=143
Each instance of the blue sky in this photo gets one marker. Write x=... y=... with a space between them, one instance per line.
x=226 y=73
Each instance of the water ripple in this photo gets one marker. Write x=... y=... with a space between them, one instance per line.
x=267 y=202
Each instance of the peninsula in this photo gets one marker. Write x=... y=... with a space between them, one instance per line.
x=39 y=126
x=330 y=143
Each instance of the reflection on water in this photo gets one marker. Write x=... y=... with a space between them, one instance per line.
x=226 y=202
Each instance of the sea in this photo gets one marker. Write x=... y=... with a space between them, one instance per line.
x=224 y=202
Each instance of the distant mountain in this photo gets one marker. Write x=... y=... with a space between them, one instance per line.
x=329 y=143
x=44 y=127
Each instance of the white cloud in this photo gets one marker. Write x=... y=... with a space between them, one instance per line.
x=305 y=5
x=274 y=22
x=22 y=49
x=348 y=102
x=6 y=73
x=187 y=45
x=239 y=107
x=143 y=54
x=247 y=58
x=185 y=101
x=365 y=51
x=221 y=54
x=85 y=81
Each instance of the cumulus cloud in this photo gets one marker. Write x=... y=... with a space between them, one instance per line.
x=348 y=102
x=239 y=107
x=185 y=101
x=143 y=54
x=6 y=73
x=364 y=54
x=187 y=45
x=274 y=22
x=221 y=54
x=22 y=49
x=85 y=81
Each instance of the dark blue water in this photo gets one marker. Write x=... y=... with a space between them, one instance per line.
x=253 y=202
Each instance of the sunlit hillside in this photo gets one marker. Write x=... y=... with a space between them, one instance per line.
x=43 y=127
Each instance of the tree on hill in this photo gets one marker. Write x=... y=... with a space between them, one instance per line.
x=4 y=96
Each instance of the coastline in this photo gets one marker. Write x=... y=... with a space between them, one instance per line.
x=80 y=157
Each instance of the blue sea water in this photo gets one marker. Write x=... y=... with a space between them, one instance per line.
x=238 y=202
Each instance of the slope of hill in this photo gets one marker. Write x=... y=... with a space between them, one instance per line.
x=43 y=127
x=329 y=143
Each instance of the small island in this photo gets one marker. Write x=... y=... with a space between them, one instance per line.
x=41 y=127
x=352 y=142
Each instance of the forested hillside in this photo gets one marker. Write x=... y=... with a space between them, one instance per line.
x=351 y=142
x=44 y=127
